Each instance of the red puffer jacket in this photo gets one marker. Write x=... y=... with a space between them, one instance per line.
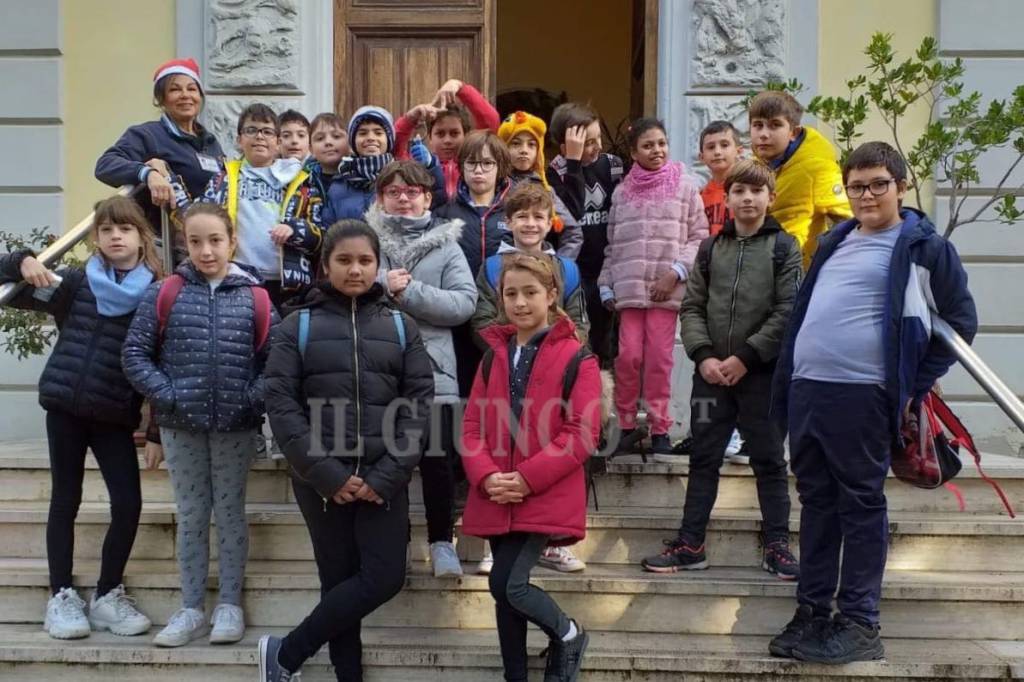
x=549 y=449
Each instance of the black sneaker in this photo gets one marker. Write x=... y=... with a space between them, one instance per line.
x=566 y=658
x=779 y=561
x=660 y=444
x=629 y=441
x=683 y=448
x=270 y=669
x=845 y=641
x=678 y=555
x=802 y=624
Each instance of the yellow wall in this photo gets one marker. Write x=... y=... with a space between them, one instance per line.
x=111 y=48
x=589 y=55
x=845 y=29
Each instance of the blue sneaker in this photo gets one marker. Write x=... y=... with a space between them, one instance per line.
x=270 y=669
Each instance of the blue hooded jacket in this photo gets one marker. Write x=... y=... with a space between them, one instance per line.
x=925 y=274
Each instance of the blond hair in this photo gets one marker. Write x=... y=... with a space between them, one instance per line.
x=543 y=268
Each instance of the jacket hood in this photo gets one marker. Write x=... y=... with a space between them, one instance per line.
x=409 y=247
x=497 y=336
x=239 y=275
x=916 y=226
x=770 y=225
x=508 y=245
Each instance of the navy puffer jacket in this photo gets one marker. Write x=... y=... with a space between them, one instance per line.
x=83 y=376
x=205 y=375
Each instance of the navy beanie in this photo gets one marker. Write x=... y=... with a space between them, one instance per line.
x=376 y=115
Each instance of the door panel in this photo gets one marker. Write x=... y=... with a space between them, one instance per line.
x=396 y=53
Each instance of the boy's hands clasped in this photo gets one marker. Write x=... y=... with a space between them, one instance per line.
x=506 y=488
x=726 y=372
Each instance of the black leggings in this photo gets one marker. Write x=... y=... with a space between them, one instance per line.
x=113 y=446
x=437 y=476
x=360 y=554
x=516 y=601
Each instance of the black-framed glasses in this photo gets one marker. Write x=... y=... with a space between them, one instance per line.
x=253 y=131
x=486 y=165
x=876 y=187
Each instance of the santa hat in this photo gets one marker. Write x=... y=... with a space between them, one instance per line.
x=185 y=67
x=522 y=122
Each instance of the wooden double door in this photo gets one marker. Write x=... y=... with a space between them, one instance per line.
x=396 y=53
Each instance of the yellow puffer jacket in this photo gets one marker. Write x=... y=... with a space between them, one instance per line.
x=809 y=188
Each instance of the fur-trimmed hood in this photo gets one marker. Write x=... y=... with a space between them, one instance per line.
x=406 y=247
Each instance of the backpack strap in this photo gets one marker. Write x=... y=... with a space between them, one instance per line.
x=485 y=364
x=783 y=242
x=169 y=290
x=570 y=277
x=492 y=270
x=571 y=371
x=704 y=258
x=962 y=437
x=303 y=331
x=396 y=315
x=261 y=304
x=232 y=169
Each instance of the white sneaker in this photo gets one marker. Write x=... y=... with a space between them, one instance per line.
x=115 y=611
x=228 y=624
x=734 y=450
x=486 y=564
x=561 y=559
x=184 y=626
x=445 y=560
x=65 y=616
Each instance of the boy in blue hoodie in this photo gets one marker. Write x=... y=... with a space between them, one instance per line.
x=858 y=356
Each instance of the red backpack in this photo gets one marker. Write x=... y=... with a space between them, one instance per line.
x=172 y=286
x=927 y=458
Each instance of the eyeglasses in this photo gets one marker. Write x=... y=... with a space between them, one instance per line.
x=253 y=131
x=408 y=191
x=486 y=165
x=876 y=187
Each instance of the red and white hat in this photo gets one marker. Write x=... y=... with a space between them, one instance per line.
x=187 y=67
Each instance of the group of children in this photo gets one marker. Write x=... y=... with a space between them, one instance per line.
x=412 y=275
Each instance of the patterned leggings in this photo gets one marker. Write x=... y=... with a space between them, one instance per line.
x=208 y=472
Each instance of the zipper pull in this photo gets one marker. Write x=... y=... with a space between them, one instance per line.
x=325 y=504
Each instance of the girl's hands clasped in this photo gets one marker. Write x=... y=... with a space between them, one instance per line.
x=506 y=488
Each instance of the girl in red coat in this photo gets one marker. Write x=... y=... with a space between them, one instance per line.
x=523 y=451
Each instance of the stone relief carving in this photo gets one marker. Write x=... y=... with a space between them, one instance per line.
x=220 y=116
x=253 y=43
x=737 y=42
x=702 y=111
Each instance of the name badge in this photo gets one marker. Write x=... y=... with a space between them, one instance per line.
x=208 y=163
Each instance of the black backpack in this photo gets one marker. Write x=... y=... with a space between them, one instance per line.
x=568 y=381
x=783 y=242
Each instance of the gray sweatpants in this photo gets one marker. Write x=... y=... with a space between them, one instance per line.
x=209 y=472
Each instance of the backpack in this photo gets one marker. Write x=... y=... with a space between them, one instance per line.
x=570 y=274
x=568 y=381
x=172 y=286
x=783 y=242
x=926 y=457
x=304 y=316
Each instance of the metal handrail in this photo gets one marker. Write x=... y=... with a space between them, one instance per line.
x=982 y=373
x=70 y=239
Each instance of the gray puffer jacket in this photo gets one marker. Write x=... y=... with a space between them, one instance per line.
x=442 y=293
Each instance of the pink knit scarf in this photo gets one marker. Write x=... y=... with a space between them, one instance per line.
x=641 y=184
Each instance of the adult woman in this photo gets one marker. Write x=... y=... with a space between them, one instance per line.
x=176 y=144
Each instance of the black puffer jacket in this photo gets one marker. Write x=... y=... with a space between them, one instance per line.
x=354 y=358
x=83 y=375
x=205 y=375
x=482 y=234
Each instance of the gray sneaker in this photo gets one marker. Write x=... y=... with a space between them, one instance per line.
x=270 y=669
x=445 y=560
